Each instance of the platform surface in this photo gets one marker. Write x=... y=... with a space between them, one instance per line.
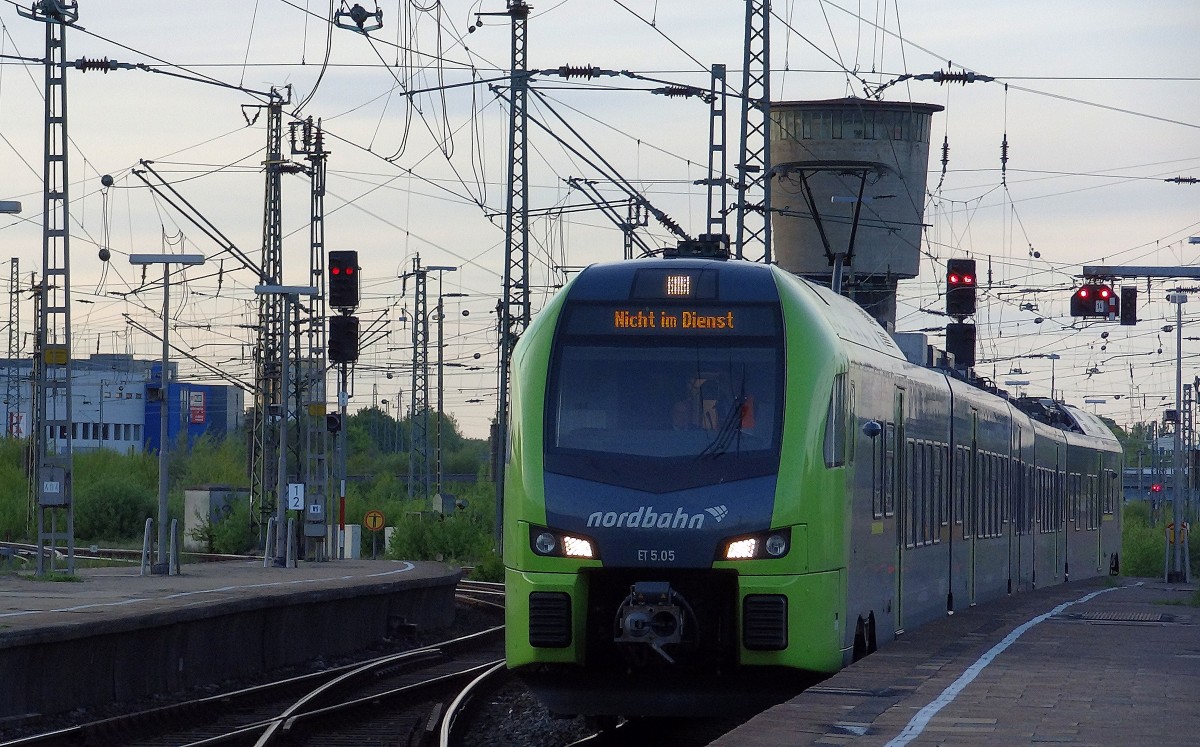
x=1100 y=662
x=105 y=596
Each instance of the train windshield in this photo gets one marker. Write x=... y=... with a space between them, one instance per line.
x=706 y=407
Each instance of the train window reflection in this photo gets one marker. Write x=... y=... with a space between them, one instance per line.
x=695 y=401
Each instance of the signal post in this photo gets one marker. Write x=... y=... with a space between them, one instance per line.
x=1125 y=308
x=344 y=292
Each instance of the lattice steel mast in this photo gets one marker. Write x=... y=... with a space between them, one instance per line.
x=308 y=140
x=718 y=185
x=754 y=182
x=12 y=394
x=418 y=421
x=268 y=369
x=52 y=412
x=514 y=306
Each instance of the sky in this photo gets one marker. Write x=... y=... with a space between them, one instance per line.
x=1099 y=103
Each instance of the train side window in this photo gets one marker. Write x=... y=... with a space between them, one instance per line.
x=1030 y=488
x=911 y=497
x=835 y=423
x=889 y=469
x=852 y=438
x=1108 y=488
x=960 y=484
x=920 y=481
x=879 y=474
x=942 y=487
x=931 y=490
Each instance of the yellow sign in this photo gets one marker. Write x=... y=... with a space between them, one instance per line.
x=373 y=520
x=55 y=355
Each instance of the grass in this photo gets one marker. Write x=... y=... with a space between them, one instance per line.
x=1192 y=601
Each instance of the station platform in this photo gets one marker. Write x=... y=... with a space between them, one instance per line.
x=113 y=635
x=1100 y=662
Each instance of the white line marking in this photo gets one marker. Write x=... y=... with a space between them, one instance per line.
x=921 y=720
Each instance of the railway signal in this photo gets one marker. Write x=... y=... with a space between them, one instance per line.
x=960 y=287
x=333 y=422
x=343 y=339
x=960 y=342
x=1095 y=300
x=1128 y=305
x=343 y=279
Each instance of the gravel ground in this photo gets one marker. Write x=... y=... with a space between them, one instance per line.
x=514 y=718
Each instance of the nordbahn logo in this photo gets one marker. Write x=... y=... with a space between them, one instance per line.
x=647 y=518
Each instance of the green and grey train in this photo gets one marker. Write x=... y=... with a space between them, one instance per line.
x=717 y=471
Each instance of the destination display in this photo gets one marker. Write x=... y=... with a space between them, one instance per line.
x=732 y=321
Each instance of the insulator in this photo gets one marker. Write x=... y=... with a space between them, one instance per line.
x=676 y=91
x=942 y=76
x=567 y=71
x=945 y=151
x=1004 y=149
x=83 y=64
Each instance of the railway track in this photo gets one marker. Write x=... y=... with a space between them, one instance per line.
x=397 y=699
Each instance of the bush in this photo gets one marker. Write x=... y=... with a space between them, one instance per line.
x=464 y=537
x=14 y=492
x=114 y=494
x=1143 y=547
x=233 y=534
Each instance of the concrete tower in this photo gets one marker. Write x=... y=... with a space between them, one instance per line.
x=849 y=192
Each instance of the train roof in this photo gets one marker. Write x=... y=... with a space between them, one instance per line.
x=851 y=322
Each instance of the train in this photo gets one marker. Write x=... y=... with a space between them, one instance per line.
x=721 y=477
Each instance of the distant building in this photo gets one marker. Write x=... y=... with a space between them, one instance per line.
x=115 y=404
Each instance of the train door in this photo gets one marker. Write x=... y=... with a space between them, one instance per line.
x=971 y=519
x=903 y=494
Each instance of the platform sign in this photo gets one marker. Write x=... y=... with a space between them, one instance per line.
x=373 y=520
x=295 y=496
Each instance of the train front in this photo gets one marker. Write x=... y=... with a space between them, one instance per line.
x=642 y=540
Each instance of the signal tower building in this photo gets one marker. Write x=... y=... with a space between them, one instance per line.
x=849 y=194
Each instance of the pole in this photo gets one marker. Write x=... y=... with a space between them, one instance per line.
x=1175 y=574
x=438 y=426
x=343 y=399
x=164 y=404
x=281 y=478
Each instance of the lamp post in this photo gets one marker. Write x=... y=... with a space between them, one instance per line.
x=166 y=260
x=290 y=294
x=1178 y=574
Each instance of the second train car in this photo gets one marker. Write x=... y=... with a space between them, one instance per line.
x=718 y=471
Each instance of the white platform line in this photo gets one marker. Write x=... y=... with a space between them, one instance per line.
x=947 y=696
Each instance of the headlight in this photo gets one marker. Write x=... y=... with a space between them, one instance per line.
x=772 y=544
x=554 y=544
x=742 y=549
x=577 y=547
x=545 y=543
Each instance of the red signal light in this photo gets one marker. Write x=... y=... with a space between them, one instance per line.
x=1083 y=292
x=954 y=279
x=335 y=270
x=1156 y=487
x=1105 y=293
